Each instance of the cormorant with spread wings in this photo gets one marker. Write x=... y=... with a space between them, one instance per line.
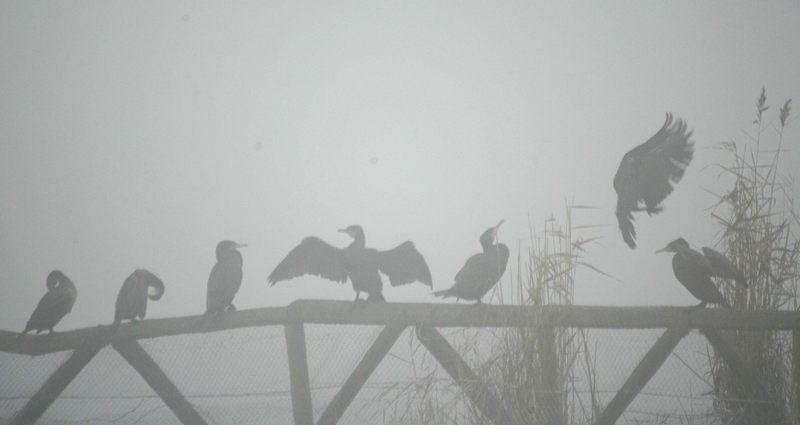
x=695 y=270
x=647 y=173
x=403 y=264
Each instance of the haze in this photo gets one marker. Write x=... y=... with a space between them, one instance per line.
x=138 y=135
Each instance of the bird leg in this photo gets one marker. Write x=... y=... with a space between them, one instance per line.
x=695 y=307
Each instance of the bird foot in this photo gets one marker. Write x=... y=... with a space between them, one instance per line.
x=358 y=303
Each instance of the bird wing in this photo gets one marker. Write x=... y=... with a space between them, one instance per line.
x=723 y=267
x=647 y=173
x=404 y=264
x=479 y=269
x=313 y=256
x=693 y=275
x=223 y=282
x=132 y=298
x=52 y=306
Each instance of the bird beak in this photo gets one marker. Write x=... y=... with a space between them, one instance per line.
x=343 y=231
x=240 y=245
x=497 y=227
x=665 y=249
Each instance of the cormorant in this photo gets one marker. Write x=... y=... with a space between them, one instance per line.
x=481 y=271
x=694 y=271
x=54 y=305
x=225 y=278
x=647 y=173
x=403 y=264
x=133 y=295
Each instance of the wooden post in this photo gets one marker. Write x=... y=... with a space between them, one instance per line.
x=645 y=370
x=549 y=401
x=372 y=358
x=480 y=395
x=57 y=382
x=796 y=376
x=134 y=354
x=770 y=411
x=298 y=373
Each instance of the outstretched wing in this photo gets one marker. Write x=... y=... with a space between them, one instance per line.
x=648 y=172
x=404 y=264
x=313 y=256
x=723 y=267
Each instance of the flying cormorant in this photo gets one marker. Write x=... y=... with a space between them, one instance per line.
x=225 y=278
x=133 y=295
x=647 y=173
x=481 y=271
x=54 y=305
x=403 y=264
x=694 y=271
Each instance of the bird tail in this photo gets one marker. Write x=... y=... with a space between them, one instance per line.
x=626 y=226
x=444 y=294
x=376 y=296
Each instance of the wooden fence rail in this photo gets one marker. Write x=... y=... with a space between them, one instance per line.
x=395 y=317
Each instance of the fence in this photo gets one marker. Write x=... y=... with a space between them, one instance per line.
x=426 y=319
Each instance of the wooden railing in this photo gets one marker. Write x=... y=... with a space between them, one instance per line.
x=395 y=317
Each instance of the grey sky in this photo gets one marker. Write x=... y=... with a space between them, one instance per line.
x=141 y=134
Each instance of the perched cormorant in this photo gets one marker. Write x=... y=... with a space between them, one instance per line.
x=403 y=264
x=54 y=305
x=133 y=295
x=694 y=271
x=225 y=278
x=481 y=271
x=647 y=173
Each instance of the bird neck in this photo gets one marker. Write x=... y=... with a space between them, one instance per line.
x=358 y=242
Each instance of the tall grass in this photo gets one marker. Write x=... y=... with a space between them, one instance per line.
x=758 y=227
x=532 y=370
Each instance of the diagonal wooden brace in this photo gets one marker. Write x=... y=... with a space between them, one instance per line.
x=58 y=381
x=158 y=381
x=477 y=391
x=645 y=370
x=372 y=358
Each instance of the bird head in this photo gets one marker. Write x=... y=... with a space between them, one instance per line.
x=154 y=284
x=53 y=278
x=674 y=246
x=490 y=235
x=354 y=231
x=224 y=248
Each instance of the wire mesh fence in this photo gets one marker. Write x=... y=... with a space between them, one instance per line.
x=241 y=376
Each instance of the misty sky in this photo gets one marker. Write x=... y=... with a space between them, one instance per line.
x=138 y=135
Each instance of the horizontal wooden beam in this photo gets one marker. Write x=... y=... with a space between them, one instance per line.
x=421 y=314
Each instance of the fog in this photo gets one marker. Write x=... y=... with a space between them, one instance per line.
x=138 y=135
